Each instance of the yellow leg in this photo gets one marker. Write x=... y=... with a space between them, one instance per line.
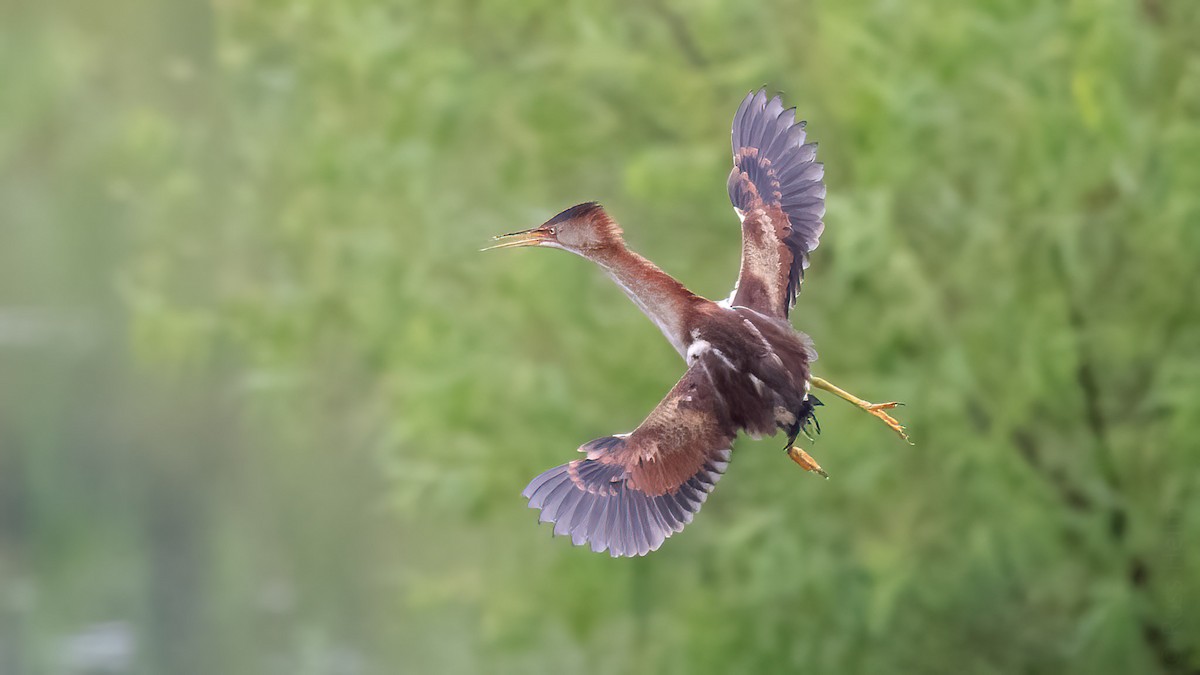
x=876 y=409
x=805 y=460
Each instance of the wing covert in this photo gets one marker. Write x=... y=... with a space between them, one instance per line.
x=632 y=491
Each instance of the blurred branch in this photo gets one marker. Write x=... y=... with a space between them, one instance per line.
x=1171 y=658
x=1085 y=377
x=680 y=32
x=1075 y=498
x=1153 y=11
x=1030 y=449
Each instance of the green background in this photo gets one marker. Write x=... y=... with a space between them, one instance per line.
x=264 y=408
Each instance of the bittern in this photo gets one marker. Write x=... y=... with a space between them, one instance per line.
x=747 y=368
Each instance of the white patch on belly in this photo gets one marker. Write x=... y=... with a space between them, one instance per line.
x=700 y=347
x=697 y=348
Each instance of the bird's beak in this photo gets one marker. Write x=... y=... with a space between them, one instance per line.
x=532 y=237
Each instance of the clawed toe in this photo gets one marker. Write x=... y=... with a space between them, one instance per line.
x=890 y=421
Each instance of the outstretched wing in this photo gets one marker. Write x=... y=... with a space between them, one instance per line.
x=635 y=490
x=777 y=190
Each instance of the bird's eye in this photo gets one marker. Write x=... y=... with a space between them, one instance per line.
x=552 y=230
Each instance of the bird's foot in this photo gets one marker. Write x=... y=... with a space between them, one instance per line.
x=804 y=430
x=805 y=460
x=876 y=409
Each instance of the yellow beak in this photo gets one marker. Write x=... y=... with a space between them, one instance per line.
x=532 y=237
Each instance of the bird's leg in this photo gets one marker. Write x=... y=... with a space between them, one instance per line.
x=799 y=456
x=876 y=409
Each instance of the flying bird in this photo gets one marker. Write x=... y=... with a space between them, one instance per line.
x=747 y=368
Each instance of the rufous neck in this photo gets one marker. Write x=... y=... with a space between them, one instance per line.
x=655 y=292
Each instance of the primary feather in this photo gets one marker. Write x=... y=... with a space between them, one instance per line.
x=777 y=189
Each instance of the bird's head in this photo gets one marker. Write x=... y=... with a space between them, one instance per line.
x=583 y=229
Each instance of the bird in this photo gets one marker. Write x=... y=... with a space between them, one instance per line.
x=748 y=370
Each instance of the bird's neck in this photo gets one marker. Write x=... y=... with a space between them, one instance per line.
x=656 y=293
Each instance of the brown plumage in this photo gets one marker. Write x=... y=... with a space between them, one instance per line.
x=748 y=369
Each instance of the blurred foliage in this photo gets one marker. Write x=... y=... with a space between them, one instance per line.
x=264 y=408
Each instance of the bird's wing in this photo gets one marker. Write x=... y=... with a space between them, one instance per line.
x=777 y=190
x=635 y=490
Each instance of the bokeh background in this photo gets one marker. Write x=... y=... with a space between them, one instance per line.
x=265 y=408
